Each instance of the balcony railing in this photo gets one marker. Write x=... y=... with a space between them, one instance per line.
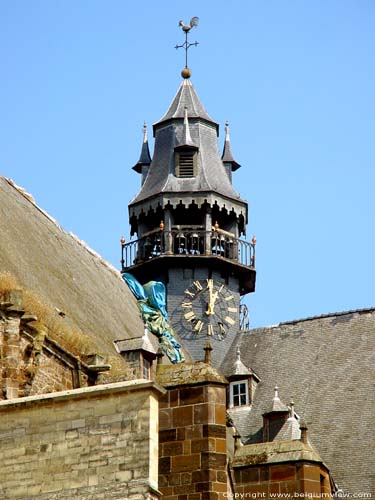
x=176 y=242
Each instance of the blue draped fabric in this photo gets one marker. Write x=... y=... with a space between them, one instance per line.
x=152 y=304
x=156 y=294
x=134 y=286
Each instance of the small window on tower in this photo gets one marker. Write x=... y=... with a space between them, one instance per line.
x=239 y=393
x=186 y=163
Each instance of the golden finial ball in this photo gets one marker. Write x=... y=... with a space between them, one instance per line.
x=186 y=73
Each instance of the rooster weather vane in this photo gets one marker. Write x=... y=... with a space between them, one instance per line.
x=186 y=45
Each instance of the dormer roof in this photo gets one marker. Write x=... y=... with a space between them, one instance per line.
x=277 y=406
x=240 y=370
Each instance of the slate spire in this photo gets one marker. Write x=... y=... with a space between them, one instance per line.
x=186 y=139
x=144 y=158
x=227 y=156
x=187 y=134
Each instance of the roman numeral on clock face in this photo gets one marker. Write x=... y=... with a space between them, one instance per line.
x=232 y=309
x=229 y=320
x=189 y=316
x=198 y=326
x=197 y=285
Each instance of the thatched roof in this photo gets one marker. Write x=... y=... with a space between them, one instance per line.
x=64 y=272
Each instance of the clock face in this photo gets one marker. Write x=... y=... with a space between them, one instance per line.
x=208 y=308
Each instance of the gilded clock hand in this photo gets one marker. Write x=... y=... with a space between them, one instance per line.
x=211 y=304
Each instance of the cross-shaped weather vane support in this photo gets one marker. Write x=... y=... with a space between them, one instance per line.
x=186 y=45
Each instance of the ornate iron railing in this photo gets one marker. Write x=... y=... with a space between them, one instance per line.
x=177 y=242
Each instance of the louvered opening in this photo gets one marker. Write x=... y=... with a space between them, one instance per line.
x=185 y=164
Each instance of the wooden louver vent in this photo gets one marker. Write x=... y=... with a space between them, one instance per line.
x=185 y=164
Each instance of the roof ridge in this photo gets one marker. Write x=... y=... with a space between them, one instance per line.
x=319 y=316
x=82 y=243
x=328 y=315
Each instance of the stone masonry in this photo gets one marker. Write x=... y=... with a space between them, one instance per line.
x=89 y=443
x=192 y=450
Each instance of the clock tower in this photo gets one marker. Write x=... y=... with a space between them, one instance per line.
x=188 y=226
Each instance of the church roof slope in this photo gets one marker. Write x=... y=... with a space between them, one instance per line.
x=64 y=272
x=325 y=364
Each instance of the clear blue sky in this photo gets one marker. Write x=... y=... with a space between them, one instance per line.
x=295 y=79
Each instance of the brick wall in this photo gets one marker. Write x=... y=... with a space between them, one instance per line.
x=192 y=449
x=92 y=443
x=311 y=478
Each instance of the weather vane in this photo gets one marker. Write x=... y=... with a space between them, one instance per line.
x=186 y=45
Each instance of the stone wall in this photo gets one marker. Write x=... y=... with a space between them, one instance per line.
x=192 y=450
x=31 y=362
x=90 y=443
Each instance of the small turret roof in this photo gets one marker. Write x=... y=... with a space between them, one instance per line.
x=186 y=139
x=238 y=367
x=227 y=156
x=144 y=158
x=277 y=405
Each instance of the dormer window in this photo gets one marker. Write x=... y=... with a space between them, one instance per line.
x=242 y=384
x=186 y=163
x=239 y=393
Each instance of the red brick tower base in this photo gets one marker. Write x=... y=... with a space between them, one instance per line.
x=192 y=433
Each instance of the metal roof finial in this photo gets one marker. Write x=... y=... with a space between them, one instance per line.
x=276 y=396
x=227 y=130
x=292 y=413
x=145 y=138
x=186 y=73
x=238 y=354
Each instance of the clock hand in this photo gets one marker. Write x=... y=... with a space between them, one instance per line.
x=211 y=304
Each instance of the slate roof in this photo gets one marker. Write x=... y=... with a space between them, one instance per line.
x=64 y=272
x=186 y=97
x=227 y=156
x=211 y=184
x=144 y=157
x=326 y=365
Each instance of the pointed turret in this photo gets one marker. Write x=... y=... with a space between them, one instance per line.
x=142 y=165
x=227 y=157
x=277 y=405
x=189 y=218
x=239 y=368
x=186 y=97
x=186 y=140
x=187 y=168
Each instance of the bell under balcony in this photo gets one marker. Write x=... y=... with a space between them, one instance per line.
x=215 y=249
